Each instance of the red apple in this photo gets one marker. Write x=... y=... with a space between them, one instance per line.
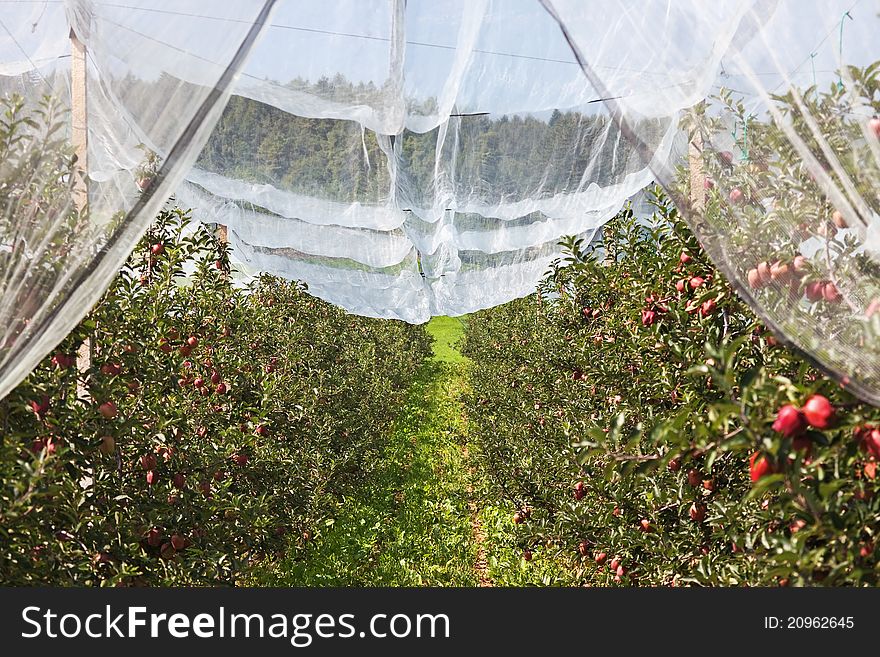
x=754 y=277
x=148 y=462
x=583 y=548
x=199 y=382
x=697 y=512
x=648 y=317
x=167 y=551
x=192 y=341
x=694 y=477
x=708 y=307
x=696 y=281
x=527 y=554
x=645 y=525
x=111 y=369
x=764 y=272
x=240 y=459
x=819 y=412
x=579 y=490
x=781 y=272
x=868 y=438
x=518 y=518
x=736 y=196
x=40 y=407
x=262 y=430
x=63 y=361
x=615 y=562
x=220 y=389
x=108 y=410
x=815 y=291
x=157 y=249
x=178 y=542
x=684 y=258
x=152 y=477
x=790 y=421
x=154 y=537
x=759 y=466
x=179 y=481
x=674 y=464
x=830 y=293
x=601 y=557
x=874 y=126
x=215 y=377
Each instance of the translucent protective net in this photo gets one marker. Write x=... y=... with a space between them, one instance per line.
x=780 y=172
x=408 y=159
x=97 y=126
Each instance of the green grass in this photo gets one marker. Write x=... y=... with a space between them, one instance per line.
x=446 y=331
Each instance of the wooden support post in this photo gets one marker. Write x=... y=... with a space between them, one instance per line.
x=79 y=120
x=79 y=136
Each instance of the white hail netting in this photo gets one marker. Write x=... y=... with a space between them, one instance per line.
x=410 y=159
x=780 y=176
x=415 y=158
x=57 y=253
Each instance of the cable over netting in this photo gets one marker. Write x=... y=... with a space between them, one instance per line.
x=409 y=159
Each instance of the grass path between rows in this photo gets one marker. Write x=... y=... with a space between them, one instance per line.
x=424 y=516
x=412 y=524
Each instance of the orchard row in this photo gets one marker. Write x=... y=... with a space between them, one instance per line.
x=212 y=428
x=643 y=427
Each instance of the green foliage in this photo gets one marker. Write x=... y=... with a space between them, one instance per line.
x=128 y=473
x=657 y=414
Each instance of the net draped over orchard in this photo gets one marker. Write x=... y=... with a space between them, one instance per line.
x=410 y=159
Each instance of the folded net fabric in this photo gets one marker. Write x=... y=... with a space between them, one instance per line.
x=410 y=159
